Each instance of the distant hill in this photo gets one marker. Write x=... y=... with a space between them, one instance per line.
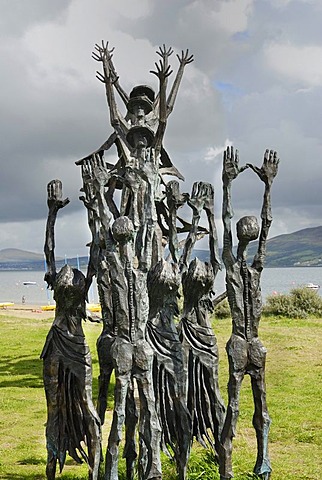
x=16 y=259
x=299 y=249
x=16 y=255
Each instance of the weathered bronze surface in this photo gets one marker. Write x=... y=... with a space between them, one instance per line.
x=67 y=369
x=246 y=353
x=165 y=360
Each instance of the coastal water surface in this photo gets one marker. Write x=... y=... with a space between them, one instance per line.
x=274 y=280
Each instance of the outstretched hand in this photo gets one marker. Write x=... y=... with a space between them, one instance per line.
x=202 y=196
x=95 y=173
x=175 y=199
x=162 y=70
x=103 y=53
x=101 y=175
x=231 y=168
x=164 y=53
x=88 y=188
x=268 y=170
x=185 y=58
x=55 y=195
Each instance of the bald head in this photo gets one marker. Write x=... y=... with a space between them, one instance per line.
x=247 y=229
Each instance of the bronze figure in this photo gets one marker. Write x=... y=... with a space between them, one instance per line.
x=246 y=353
x=67 y=368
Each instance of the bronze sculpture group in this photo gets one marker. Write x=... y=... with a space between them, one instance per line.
x=165 y=361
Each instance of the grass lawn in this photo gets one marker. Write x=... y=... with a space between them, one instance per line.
x=294 y=395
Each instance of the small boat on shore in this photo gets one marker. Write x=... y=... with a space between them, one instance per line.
x=93 y=307
x=46 y=308
x=29 y=283
x=6 y=304
x=312 y=286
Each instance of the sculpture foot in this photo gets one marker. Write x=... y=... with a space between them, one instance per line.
x=51 y=467
x=263 y=471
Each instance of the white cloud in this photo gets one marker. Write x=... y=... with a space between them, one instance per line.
x=299 y=64
x=233 y=15
x=214 y=152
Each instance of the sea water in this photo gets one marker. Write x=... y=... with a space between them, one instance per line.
x=12 y=288
x=274 y=280
x=280 y=280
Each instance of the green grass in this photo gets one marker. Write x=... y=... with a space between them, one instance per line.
x=294 y=394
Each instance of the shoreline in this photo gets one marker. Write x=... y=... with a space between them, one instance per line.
x=26 y=311
x=34 y=311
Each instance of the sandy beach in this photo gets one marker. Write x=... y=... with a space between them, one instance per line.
x=21 y=310
x=26 y=311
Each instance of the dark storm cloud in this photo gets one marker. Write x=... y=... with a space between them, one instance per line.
x=255 y=82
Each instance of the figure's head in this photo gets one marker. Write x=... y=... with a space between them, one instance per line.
x=198 y=280
x=164 y=277
x=141 y=101
x=123 y=230
x=70 y=288
x=140 y=137
x=143 y=91
x=247 y=229
x=69 y=276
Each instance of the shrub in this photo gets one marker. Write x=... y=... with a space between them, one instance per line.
x=222 y=310
x=301 y=302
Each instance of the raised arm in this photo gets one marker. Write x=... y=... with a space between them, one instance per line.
x=163 y=70
x=90 y=202
x=99 y=178
x=184 y=60
x=55 y=202
x=196 y=202
x=175 y=200
x=115 y=80
x=266 y=173
x=230 y=171
x=213 y=238
x=164 y=53
x=104 y=55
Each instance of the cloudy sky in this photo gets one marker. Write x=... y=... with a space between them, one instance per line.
x=256 y=83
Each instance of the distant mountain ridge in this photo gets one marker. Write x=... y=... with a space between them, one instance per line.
x=302 y=248
x=17 y=259
x=299 y=249
x=16 y=255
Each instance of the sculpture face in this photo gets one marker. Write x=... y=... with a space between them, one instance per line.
x=140 y=141
x=140 y=136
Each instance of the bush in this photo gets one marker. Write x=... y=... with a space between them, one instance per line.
x=301 y=302
x=222 y=310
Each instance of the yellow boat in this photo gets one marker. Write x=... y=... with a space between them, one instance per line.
x=48 y=307
x=6 y=304
x=93 y=307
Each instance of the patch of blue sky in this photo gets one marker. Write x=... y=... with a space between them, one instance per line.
x=241 y=36
x=229 y=92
